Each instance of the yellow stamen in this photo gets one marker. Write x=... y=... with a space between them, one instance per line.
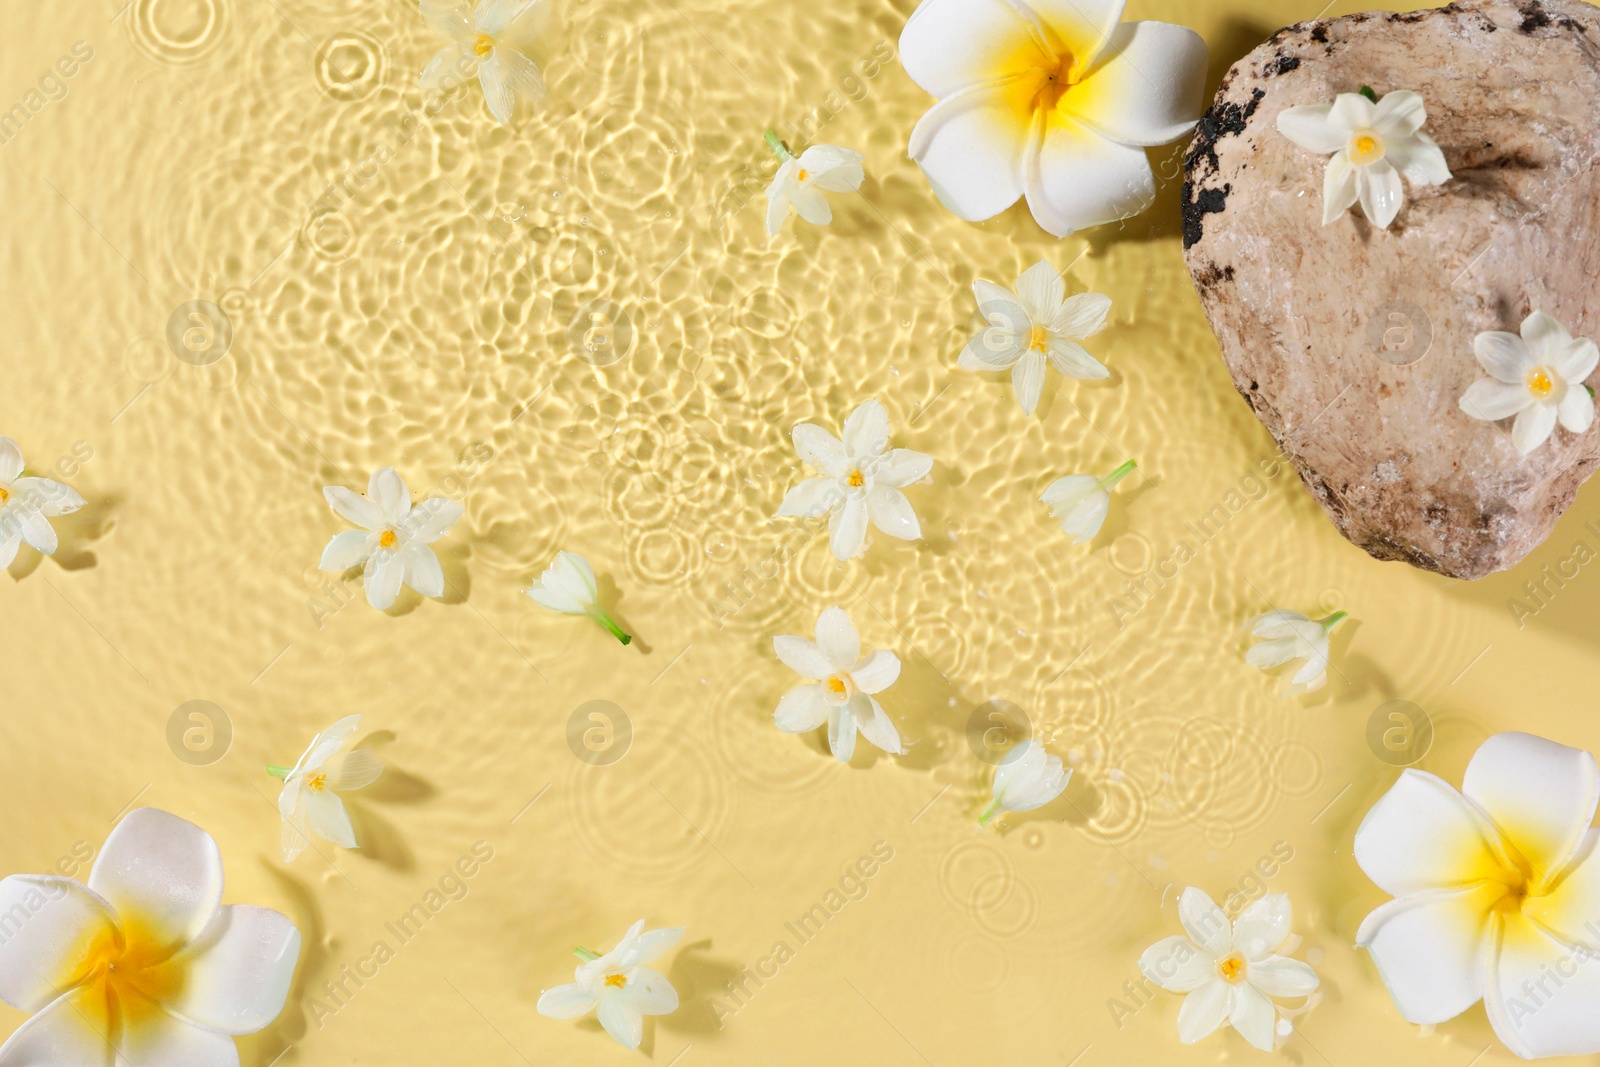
x=1231 y=968
x=317 y=782
x=616 y=981
x=1540 y=384
x=1039 y=340
x=836 y=686
x=1366 y=148
x=856 y=480
x=483 y=44
x=387 y=539
x=803 y=175
x=4 y=495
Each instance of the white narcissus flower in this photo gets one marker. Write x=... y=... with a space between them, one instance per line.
x=620 y=987
x=1538 y=377
x=144 y=965
x=801 y=180
x=1229 y=970
x=491 y=41
x=27 y=505
x=1373 y=145
x=1052 y=100
x=310 y=803
x=843 y=695
x=568 y=586
x=1497 y=894
x=1082 y=501
x=1038 y=324
x=1288 y=635
x=861 y=478
x=1027 y=778
x=393 y=539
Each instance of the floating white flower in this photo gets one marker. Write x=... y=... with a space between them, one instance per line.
x=619 y=986
x=1052 y=100
x=491 y=41
x=1538 y=377
x=801 y=180
x=1027 y=778
x=843 y=694
x=1229 y=970
x=393 y=539
x=1373 y=144
x=144 y=965
x=310 y=803
x=1497 y=894
x=568 y=586
x=27 y=505
x=1081 y=501
x=1038 y=324
x=861 y=481
x=1288 y=635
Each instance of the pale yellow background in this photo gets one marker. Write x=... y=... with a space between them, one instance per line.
x=426 y=325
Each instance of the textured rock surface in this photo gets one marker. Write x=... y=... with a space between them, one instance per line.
x=1353 y=345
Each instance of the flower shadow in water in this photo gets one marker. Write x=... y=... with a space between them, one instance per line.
x=699 y=978
x=75 y=533
x=380 y=839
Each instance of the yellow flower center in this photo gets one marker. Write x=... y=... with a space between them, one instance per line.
x=837 y=686
x=802 y=175
x=5 y=494
x=317 y=782
x=616 y=981
x=483 y=44
x=856 y=480
x=123 y=977
x=387 y=539
x=1056 y=81
x=1231 y=968
x=1366 y=148
x=1039 y=340
x=1540 y=383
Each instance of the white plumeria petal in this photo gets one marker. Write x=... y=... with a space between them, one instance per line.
x=1147 y=85
x=348 y=549
x=1027 y=380
x=1263 y=926
x=1204 y=1010
x=384 y=575
x=239 y=971
x=1381 y=193
x=876 y=672
x=1309 y=127
x=801 y=710
x=971 y=152
x=622 y=1021
x=1491 y=401
x=1533 y=427
x=820 y=449
x=1541 y=997
x=1205 y=923
x=1423 y=834
x=1541 y=795
x=875 y=724
x=847 y=528
x=50 y=926
x=353 y=508
x=866 y=431
x=1176 y=965
x=1074 y=179
x=570 y=1001
x=11 y=461
x=1084 y=27
x=163 y=869
x=423 y=572
x=841 y=733
x=812 y=498
x=892 y=513
x=1429 y=949
x=1253 y=1015
x=949 y=45
x=61 y=1035
x=837 y=639
x=803 y=657
x=1279 y=976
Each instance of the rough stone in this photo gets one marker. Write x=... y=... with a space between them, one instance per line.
x=1353 y=345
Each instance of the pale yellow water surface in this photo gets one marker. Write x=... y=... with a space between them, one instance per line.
x=578 y=328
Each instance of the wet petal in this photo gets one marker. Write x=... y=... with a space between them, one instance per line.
x=1399 y=115
x=892 y=513
x=569 y=1001
x=1176 y=965
x=949 y=45
x=876 y=672
x=1308 y=127
x=875 y=724
x=385 y=573
x=1279 y=976
x=353 y=508
x=61 y=1036
x=164 y=870
x=622 y=1021
x=802 y=657
x=847 y=528
x=820 y=449
x=1027 y=380
x=1205 y=923
x=237 y=975
x=1428 y=948
x=649 y=993
x=423 y=572
x=1263 y=926
x=1381 y=193
x=1539 y=794
x=866 y=431
x=49 y=926
x=837 y=638
x=1533 y=427
x=812 y=498
x=1341 y=188
x=11 y=462
x=1541 y=995
x=901 y=467
x=801 y=710
x=1204 y=1010
x=1504 y=355
x=1253 y=1016
x=346 y=550
x=1041 y=291
x=842 y=733
x=1422 y=834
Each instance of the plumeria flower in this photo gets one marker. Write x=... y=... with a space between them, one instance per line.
x=620 y=987
x=843 y=695
x=1052 y=100
x=861 y=478
x=310 y=803
x=144 y=965
x=27 y=505
x=1537 y=377
x=1373 y=143
x=1497 y=894
x=801 y=180
x=1081 y=501
x=1027 y=778
x=1230 y=971
x=1288 y=635
x=568 y=586
x=493 y=41
x=1036 y=325
x=393 y=540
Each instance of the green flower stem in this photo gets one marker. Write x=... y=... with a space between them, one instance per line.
x=1333 y=620
x=611 y=626
x=1117 y=475
x=779 y=149
x=279 y=772
x=585 y=955
x=989 y=813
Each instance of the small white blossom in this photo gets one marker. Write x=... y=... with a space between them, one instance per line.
x=1027 y=778
x=568 y=587
x=1372 y=145
x=1288 y=635
x=27 y=505
x=843 y=695
x=620 y=987
x=1036 y=325
x=1230 y=971
x=801 y=180
x=1538 y=377
x=492 y=42
x=310 y=803
x=393 y=539
x=1082 y=501
x=861 y=478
